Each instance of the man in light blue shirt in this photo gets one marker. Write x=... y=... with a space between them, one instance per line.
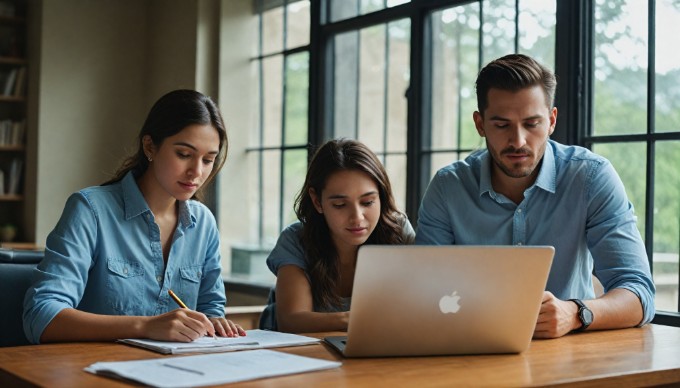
x=525 y=189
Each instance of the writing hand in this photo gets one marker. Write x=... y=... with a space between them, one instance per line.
x=181 y=325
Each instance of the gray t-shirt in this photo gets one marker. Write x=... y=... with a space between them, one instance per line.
x=289 y=251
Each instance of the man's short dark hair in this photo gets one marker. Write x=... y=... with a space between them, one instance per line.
x=512 y=73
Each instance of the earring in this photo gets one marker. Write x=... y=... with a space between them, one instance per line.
x=150 y=159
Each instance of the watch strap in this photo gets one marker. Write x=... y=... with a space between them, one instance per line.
x=581 y=307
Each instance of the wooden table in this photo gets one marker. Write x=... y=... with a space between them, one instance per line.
x=631 y=357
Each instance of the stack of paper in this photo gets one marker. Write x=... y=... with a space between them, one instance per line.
x=255 y=339
x=210 y=369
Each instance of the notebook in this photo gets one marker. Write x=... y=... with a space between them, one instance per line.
x=209 y=369
x=443 y=300
x=254 y=339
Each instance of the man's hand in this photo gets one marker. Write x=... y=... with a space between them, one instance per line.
x=556 y=317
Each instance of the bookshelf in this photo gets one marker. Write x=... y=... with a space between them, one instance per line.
x=13 y=111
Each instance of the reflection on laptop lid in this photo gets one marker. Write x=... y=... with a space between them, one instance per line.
x=437 y=300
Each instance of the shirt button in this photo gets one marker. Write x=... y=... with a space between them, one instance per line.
x=159 y=278
x=125 y=271
x=198 y=273
x=519 y=210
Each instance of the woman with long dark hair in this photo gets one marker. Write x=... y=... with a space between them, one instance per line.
x=345 y=202
x=119 y=248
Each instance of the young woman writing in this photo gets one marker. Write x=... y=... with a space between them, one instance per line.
x=120 y=247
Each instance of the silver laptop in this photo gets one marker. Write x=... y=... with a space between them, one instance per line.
x=439 y=300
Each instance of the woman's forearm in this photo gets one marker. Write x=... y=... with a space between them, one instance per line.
x=311 y=322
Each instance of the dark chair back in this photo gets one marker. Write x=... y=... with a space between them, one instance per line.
x=16 y=270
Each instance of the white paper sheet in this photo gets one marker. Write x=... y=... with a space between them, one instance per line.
x=210 y=369
x=254 y=339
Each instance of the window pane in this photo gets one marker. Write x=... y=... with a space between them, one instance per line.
x=252 y=199
x=629 y=161
x=537 y=30
x=372 y=66
x=398 y=73
x=455 y=65
x=298 y=24
x=394 y=3
x=666 y=224
x=667 y=66
x=371 y=79
x=271 y=198
x=620 y=82
x=345 y=9
x=346 y=63
x=297 y=88
x=272 y=30
x=368 y=6
x=498 y=29
x=272 y=85
x=395 y=165
x=295 y=168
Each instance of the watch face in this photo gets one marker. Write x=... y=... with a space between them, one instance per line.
x=586 y=316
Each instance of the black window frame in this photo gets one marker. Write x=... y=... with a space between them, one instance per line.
x=261 y=6
x=574 y=96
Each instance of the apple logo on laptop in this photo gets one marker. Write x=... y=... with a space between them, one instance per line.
x=449 y=303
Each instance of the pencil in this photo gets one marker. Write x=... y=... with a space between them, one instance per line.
x=181 y=304
x=177 y=299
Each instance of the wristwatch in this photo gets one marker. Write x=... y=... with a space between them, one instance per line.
x=584 y=314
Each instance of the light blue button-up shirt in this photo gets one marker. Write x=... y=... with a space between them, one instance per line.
x=578 y=205
x=105 y=257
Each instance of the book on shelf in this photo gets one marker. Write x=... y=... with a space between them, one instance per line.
x=13 y=82
x=20 y=82
x=14 y=177
x=2 y=182
x=12 y=132
x=8 y=81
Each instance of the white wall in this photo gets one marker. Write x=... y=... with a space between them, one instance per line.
x=171 y=48
x=102 y=65
x=238 y=41
x=91 y=96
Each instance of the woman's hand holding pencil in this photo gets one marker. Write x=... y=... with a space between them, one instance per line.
x=218 y=325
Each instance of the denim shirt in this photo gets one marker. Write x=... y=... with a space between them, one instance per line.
x=578 y=205
x=104 y=256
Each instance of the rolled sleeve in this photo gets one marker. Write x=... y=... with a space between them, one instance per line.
x=619 y=255
x=59 y=280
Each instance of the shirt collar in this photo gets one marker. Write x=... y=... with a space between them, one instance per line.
x=485 y=174
x=133 y=200
x=186 y=217
x=135 y=204
x=547 y=174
